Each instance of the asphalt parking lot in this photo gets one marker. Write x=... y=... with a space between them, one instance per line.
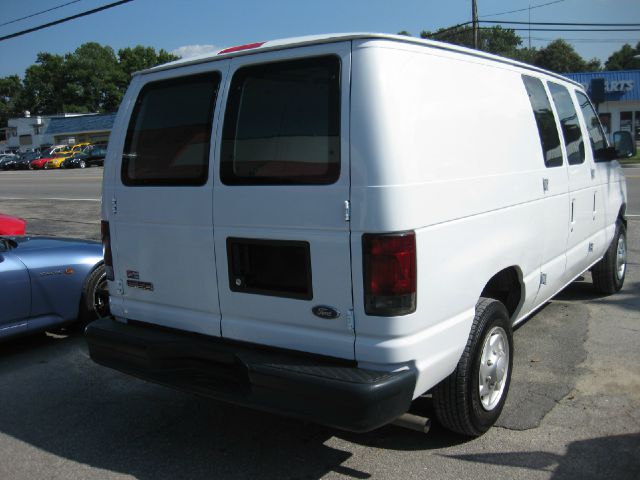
x=573 y=411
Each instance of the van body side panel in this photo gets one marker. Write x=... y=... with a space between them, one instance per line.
x=470 y=194
x=310 y=216
x=167 y=272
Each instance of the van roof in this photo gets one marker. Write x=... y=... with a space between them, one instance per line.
x=285 y=43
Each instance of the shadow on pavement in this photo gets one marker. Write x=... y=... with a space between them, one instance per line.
x=597 y=458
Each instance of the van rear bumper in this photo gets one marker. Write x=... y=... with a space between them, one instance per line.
x=325 y=390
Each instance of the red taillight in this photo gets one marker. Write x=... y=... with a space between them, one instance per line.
x=106 y=250
x=239 y=48
x=389 y=273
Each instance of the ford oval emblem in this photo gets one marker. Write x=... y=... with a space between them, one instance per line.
x=323 y=311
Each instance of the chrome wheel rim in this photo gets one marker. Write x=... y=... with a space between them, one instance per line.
x=494 y=368
x=621 y=257
x=101 y=297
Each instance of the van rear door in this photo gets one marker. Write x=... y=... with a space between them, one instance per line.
x=160 y=194
x=280 y=200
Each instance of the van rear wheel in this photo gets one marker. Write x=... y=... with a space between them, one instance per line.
x=471 y=399
x=608 y=274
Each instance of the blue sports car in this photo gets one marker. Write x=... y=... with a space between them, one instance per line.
x=49 y=282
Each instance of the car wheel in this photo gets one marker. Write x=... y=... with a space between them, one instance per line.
x=46 y=167
x=94 y=302
x=608 y=274
x=82 y=164
x=470 y=400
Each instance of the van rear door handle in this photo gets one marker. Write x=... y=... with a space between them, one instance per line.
x=573 y=205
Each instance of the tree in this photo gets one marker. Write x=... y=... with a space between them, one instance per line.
x=94 y=79
x=497 y=40
x=45 y=85
x=623 y=58
x=11 y=91
x=560 y=57
x=140 y=58
x=90 y=79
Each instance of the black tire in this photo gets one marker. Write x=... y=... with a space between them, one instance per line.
x=456 y=400
x=94 y=302
x=607 y=275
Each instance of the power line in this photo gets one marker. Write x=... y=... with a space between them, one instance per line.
x=564 y=23
x=522 y=9
x=62 y=20
x=39 y=13
x=585 y=40
x=571 y=29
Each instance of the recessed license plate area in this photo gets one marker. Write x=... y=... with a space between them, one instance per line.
x=279 y=268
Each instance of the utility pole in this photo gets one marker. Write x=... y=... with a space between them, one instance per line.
x=474 y=19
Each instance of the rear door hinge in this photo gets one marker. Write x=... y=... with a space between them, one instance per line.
x=347 y=211
x=114 y=205
x=543 y=279
x=350 y=322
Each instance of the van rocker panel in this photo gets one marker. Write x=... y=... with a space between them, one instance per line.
x=325 y=390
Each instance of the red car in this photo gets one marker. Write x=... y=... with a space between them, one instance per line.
x=39 y=163
x=12 y=225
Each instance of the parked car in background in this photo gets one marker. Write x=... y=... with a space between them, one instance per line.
x=19 y=162
x=48 y=282
x=57 y=149
x=24 y=161
x=57 y=160
x=6 y=158
x=39 y=163
x=80 y=147
x=88 y=158
x=12 y=225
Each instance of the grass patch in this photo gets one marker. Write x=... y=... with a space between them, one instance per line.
x=631 y=160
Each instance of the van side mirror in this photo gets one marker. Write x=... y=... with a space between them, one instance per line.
x=624 y=144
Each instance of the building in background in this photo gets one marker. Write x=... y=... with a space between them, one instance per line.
x=31 y=132
x=620 y=109
x=85 y=128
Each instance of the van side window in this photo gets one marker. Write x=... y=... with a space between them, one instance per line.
x=170 y=132
x=591 y=120
x=569 y=122
x=545 y=120
x=282 y=124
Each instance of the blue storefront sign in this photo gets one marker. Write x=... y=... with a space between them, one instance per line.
x=620 y=109
x=619 y=86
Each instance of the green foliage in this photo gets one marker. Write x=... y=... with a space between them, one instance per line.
x=497 y=40
x=11 y=91
x=90 y=79
x=557 y=56
x=623 y=58
x=561 y=57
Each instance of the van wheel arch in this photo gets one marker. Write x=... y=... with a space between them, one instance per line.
x=622 y=215
x=507 y=287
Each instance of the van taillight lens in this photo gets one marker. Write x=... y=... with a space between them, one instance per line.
x=389 y=273
x=106 y=250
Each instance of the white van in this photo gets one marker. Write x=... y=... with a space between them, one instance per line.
x=330 y=227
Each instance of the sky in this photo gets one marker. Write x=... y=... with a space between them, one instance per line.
x=193 y=26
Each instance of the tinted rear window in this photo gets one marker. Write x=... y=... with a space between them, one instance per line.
x=547 y=129
x=282 y=124
x=170 y=132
